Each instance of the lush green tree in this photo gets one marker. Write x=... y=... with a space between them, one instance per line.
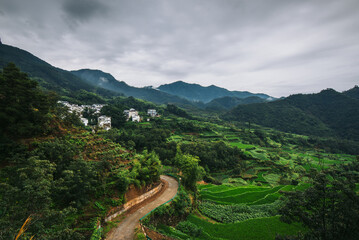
x=122 y=180
x=59 y=152
x=24 y=107
x=215 y=155
x=329 y=209
x=67 y=118
x=88 y=97
x=26 y=192
x=76 y=184
x=147 y=169
x=190 y=170
x=171 y=108
x=118 y=118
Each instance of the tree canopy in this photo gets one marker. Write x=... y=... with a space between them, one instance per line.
x=329 y=209
x=24 y=107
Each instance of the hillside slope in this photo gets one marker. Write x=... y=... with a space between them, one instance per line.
x=48 y=76
x=327 y=113
x=107 y=81
x=196 y=92
x=227 y=103
x=353 y=92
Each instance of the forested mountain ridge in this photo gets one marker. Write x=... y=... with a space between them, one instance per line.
x=328 y=113
x=196 y=92
x=227 y=103
x=107 y=81
x=48 y=76
x=353 y=92
x=78 y=84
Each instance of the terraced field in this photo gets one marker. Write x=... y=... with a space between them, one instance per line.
x=244 y=212
x=259 y=228
x=253 y=229
x=241 y=145
x=247 y=195
x=246 y=205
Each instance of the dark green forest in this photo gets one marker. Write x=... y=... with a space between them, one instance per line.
x=328 y=113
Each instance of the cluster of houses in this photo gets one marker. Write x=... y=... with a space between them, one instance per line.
x=133 y=114
x=103 y=121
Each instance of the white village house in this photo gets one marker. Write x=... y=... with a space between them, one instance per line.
x=85 y=121
x=152 y=112
x=103 y=121
x=132 y=113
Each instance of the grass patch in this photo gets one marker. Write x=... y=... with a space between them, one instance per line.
x=234 y=191
x=241 y=145
x=260 y=177
x=259 y=228
x=246 y=197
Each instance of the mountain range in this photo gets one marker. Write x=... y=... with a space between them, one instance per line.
x=107 y=81
x=328 y=113
x=227 y=103
x=67 y=83
x=196 y=92
x=48 y=76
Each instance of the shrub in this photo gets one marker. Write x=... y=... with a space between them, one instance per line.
x=189 y=228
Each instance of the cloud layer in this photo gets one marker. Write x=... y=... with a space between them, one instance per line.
x=278 y=47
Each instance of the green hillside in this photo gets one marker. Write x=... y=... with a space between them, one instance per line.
x=353 y=93
x=227 y=103
x=327 y=113
x=49 y=77
x=196 y=92
x=98 y=78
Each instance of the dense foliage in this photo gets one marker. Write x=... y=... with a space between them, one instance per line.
x=195 y=92
x=227 y=103
x=237 y=212
x=216 y=155
x=49 y=77
x=66 y=177
x=190 y=170
x=171 y=213
x=329 y=208
x=177 y=111
x=327 y=113
x=24 y=107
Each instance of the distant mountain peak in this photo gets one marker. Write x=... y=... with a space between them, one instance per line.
x=195 y=92
x=106 y=80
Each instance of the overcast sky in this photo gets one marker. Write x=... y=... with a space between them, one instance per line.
x=278 y=47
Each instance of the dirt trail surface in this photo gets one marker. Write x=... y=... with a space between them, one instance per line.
x=125 y=230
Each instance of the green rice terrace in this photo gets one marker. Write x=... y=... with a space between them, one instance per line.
x=232 y=212
x=245 y=204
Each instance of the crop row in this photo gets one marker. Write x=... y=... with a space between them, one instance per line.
x=253 y=229
x=246 y=197
x=232 y=192
x=237 y=212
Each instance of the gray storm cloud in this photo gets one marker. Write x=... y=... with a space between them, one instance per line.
x=83 y=9
x=279 y=47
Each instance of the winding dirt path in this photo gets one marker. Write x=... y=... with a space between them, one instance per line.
x=125 y=230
